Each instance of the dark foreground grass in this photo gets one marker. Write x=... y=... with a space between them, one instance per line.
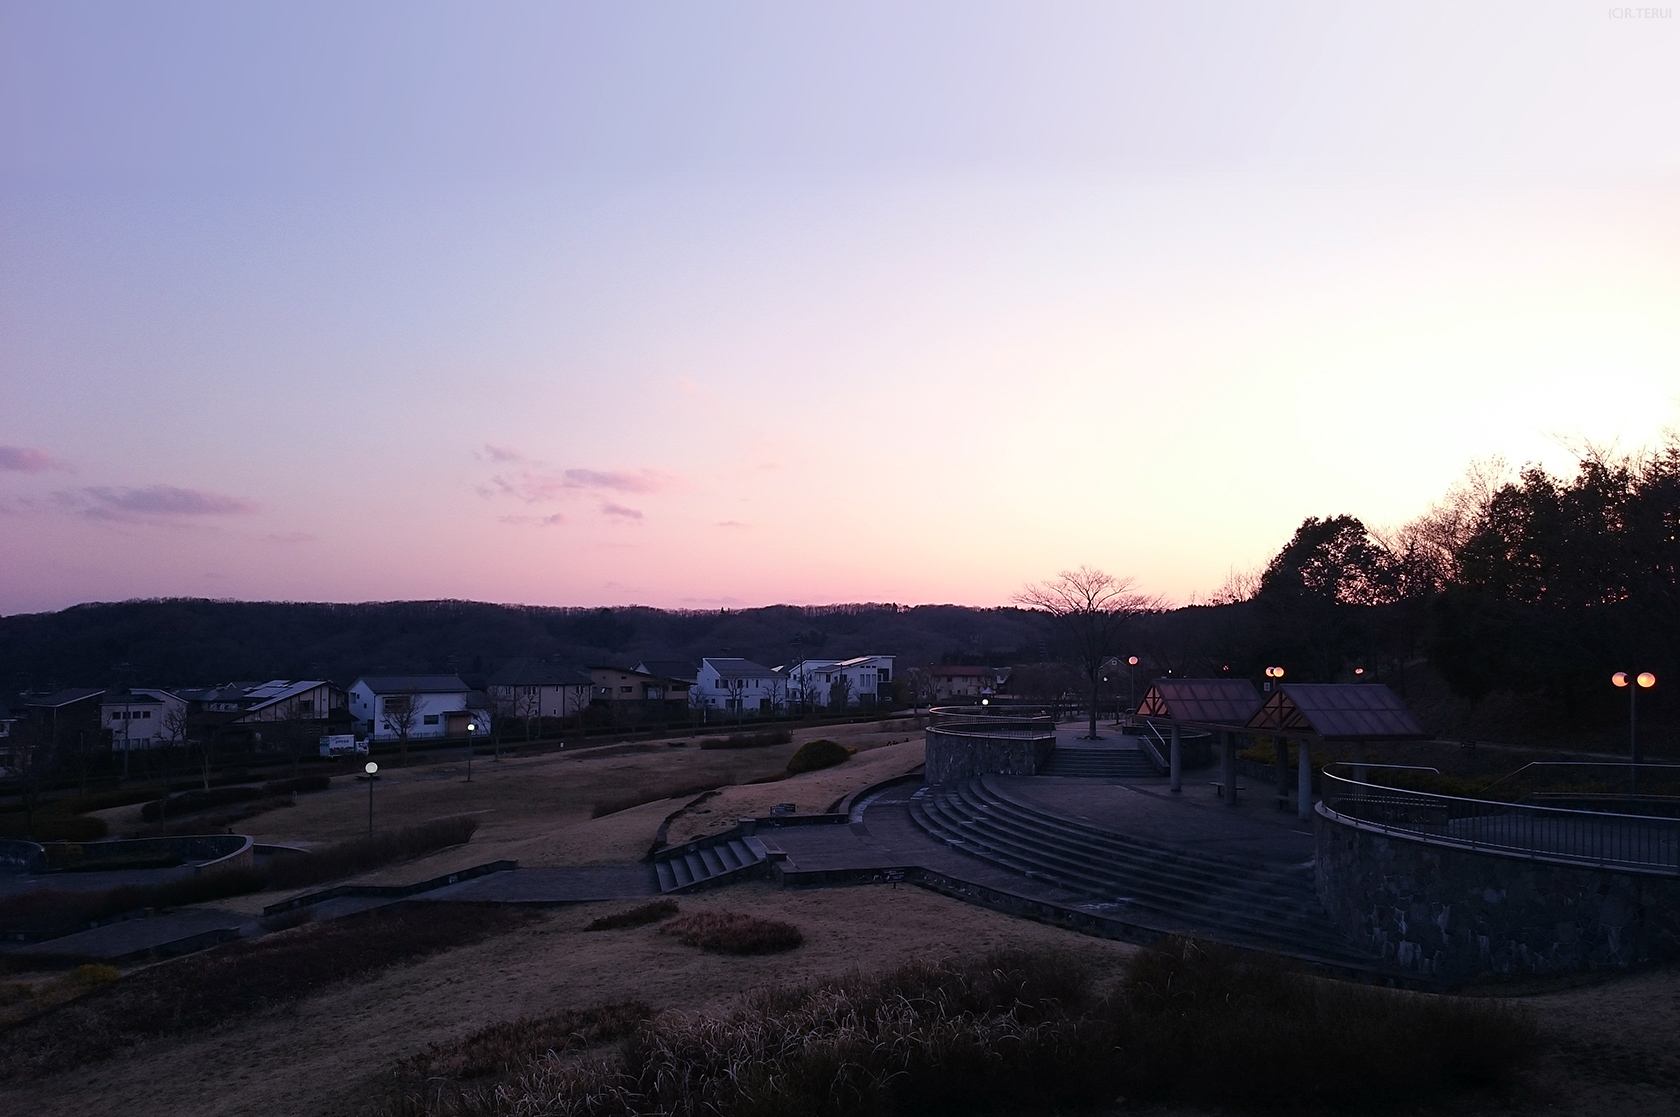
x=647 y=795
x=1012 y=1033
x=639 y=916
x=46 y=909
x=731 y=932
x=205 y=990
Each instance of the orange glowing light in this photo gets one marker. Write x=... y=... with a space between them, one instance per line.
x=1619 y=678
x=1647 y=680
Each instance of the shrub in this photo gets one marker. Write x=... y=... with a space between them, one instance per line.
x=731 y=932
x=639 y=916
x=818 y=754
x=1028 y=1032
x=513 y=1045
x=50 y=826
x=190 y=801
x=204 y=990
x=48 y=909
x=763 y=739
x=296 y=784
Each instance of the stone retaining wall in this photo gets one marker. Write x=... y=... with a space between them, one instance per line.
x=1455 y=913
x=953 y=755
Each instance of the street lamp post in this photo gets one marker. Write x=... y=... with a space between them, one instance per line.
x=471 y=726
x=1634 y=683
x=372 y=770
x=1131 y=683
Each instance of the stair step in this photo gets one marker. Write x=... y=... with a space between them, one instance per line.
x=667 y=878
x=709 y=857
x=1227 y=898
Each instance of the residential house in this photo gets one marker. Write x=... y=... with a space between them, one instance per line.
x=682 y=670
x=741 y=686
x=957 y=682
x=143 y=718
x=617 y=685
x=416 y=707
x=288 y=700
x=64 y=712
x=864 y=680
x=525 y=688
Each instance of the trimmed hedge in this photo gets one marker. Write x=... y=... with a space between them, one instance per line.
x=50 y=826
x=639 y=916
x=815 y=755
x=760 y=740
x=189 y=802
x=731 y=932
x=296 y=785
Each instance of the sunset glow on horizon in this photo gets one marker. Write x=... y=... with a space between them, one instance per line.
x=744 y=305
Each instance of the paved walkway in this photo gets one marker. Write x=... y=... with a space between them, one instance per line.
x=553 y=886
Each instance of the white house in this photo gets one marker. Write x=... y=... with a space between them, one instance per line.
x=740 y=686
x=528 y=689
x=865 y=680
x=143 y=718
x=391 y=707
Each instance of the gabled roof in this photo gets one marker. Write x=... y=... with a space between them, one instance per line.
x=60 y=698
x=531 y=672
x=1207 y=701
x=739 y=667
x=683 y=670
x=1349 y=711
x=960 y=672
x=130 y=698
x=280 y=690
x=857 y=659
x=414 y=684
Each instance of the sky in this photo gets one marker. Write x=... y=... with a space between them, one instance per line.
x=723 y=305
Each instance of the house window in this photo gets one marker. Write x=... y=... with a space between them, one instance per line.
x=626 y=690
x=431 y=719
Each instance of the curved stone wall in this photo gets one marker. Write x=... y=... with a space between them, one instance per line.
x=207 y=850
x=953 y=755
x=1459 y=913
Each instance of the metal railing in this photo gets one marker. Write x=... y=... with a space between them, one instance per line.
x=1028 y=722
x=1579 y=837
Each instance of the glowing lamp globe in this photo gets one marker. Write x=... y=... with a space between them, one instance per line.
x=1647 y=680
x=1619 y=678
x=371 y=768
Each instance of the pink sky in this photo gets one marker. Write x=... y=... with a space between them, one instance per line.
x=745 y=304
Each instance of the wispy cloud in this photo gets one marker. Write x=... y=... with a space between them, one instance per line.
x=104 y=502
x=621 y=512
x=28 y=459
x=732 y=524
x=543 y=521
x=503 y=453
x=536 y=484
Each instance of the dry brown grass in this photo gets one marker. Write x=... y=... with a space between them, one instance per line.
x=639 y=916
x=733 y=932
x=205 y=990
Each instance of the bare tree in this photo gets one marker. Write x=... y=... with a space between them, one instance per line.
x=775 y=690
x=921 y=687
x=502 y=704
x=293 y=731
x=175 y=729
x=401 y=715
x=1092 y=609
x=698 y=703
x=840 y=692
x=737 y=687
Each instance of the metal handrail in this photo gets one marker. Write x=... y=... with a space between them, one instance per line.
x=989 y=721
x=1609 y=766
x=1559 y=834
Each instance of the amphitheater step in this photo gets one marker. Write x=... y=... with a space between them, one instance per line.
x=1113 y=762
x=709 y=862
x=1243 y=903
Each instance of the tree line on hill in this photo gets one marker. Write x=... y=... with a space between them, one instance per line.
x=1528 y=590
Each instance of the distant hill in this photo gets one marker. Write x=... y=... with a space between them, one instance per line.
x=187 y=640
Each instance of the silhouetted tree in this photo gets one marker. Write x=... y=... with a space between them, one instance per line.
x=1092 y=609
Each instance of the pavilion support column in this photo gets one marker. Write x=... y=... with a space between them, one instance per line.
x=1175 y=764
x=1303 y=781
x=1229 y=758
x=1281 y=744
